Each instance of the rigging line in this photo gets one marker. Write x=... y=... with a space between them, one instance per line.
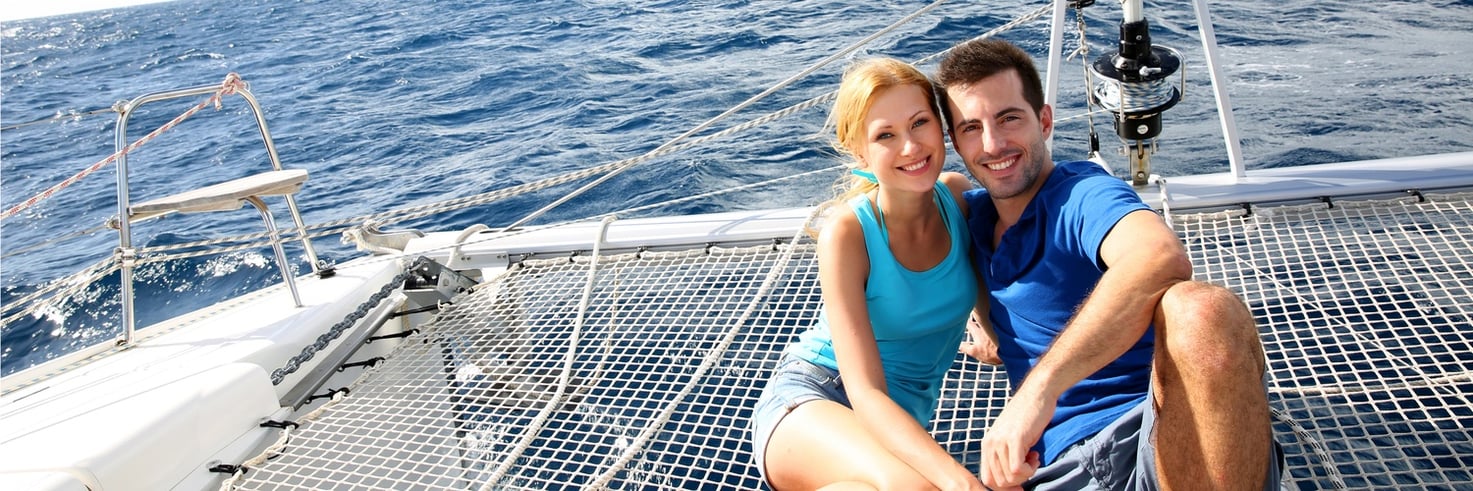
x=404 y=214
x=743 y=187
x=1036 y=13
x=228 y=87
x=752 y=100
x=60 y=116
x=63 y=288
x=1083 y=52
x=395 y=216
x=49 y=242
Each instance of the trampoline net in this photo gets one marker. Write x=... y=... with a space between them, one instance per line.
x=642 y=375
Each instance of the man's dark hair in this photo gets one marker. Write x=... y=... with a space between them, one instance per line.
x=972 y=61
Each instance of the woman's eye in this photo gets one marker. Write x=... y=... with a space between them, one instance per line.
x=920 y=122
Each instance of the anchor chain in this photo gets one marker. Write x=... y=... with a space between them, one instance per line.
x=291 y=366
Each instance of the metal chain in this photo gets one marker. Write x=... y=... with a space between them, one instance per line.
x=278 y=375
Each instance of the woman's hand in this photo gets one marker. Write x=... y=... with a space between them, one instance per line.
x=980 y=346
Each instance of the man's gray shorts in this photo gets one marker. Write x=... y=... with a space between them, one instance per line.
x=1122 y=456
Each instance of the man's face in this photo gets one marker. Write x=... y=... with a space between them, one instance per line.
x=999 y=137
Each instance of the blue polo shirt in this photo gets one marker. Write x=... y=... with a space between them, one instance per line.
x=1040 y=273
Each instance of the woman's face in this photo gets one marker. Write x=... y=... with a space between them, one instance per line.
x=903 y=143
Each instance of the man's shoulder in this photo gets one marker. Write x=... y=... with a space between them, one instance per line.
x=1077 y=175
x=975 y=195
x=1078 y=170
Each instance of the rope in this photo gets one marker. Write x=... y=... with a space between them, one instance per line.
x=529 y=432
x=67 y=286
x=403 y=214
x=231 y=482
x=1036 y=13
x=49 y=242
x=1315 y=446
x=228 y=87
x=712 y=357
x=751 y=100
x=60 y=116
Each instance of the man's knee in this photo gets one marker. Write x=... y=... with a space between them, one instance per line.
x=1209 y=326
x=1207 y=302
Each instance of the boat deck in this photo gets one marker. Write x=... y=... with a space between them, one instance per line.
x=639 y=369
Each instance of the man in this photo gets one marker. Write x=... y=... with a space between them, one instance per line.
x=1126 y=374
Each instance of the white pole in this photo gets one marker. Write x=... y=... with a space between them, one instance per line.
x=1055 y=59
x=1219 y=89
x=1132 y=10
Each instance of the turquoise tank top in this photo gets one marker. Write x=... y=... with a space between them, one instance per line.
x=918 y=317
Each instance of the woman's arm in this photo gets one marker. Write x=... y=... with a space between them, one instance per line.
x=983 y=343
x=843 y=267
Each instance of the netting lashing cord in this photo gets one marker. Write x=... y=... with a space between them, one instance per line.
x=529 y=432
x=277 y=447
x=712 y=357
x=228 y=87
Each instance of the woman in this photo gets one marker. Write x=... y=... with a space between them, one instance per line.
x=898 y=286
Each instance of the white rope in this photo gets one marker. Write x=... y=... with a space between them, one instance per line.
x=63 y=287
x=228 y=87
x=529 y=433
x=712 y=356
x=276 y=448
x=751 y=100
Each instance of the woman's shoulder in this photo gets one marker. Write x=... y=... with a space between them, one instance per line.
x=958 y=184
x=841 y=224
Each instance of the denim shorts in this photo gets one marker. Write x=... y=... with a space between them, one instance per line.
x=794 y=382
x=1123 y=456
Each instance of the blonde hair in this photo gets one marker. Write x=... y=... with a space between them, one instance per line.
x=863 y=82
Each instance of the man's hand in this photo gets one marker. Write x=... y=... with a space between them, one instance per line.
x=1007 y=456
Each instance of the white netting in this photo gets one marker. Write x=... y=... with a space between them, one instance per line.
x=1363 y=309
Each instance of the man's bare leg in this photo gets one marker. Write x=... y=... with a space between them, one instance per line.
x=1213 y=429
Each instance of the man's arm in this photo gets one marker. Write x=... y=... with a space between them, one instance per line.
x=1143 y=258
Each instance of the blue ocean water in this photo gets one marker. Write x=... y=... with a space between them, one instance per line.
x=395 y=104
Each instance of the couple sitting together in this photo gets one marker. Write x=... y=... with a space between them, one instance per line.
x=1125 y=373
